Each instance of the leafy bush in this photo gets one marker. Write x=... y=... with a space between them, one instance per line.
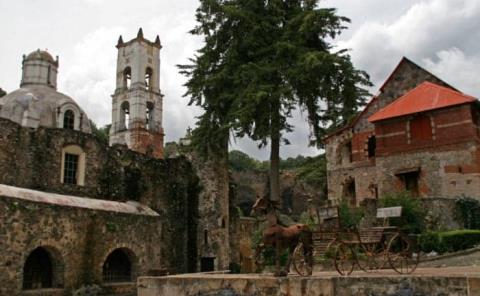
x=350 y=217
x=449 y=241
x=240 y=161
x=413 y=212
x=89 y=290
x=468 y=211
x=234 y=267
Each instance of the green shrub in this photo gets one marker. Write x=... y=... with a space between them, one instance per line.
x=234 y=267
x=413 y=212
x=350 y=217
x=449 y=241
x=468 y=211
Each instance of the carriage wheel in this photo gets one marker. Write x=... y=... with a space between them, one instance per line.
x=259 y=258
x=402 y=254
x=371 y=256
x=302 y=260
x=344 y=259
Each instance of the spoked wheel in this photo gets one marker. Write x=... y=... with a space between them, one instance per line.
x=259 y=258
x=402 y=254
x=303 y=260
x=344 y=259
x=371 y=256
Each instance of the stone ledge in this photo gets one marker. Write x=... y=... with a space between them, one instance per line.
x=446 y=281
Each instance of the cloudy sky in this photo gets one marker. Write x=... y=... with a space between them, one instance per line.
x=441 y=35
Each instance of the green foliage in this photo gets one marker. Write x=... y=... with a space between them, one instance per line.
x=314 y=171
x=234 y=267
x=102 y=134
x=260 y=61
x=240 y=161
x=413 y=212
x=468 y=210
x=89 y=290
x=349 y=216
x=449 y=241
x=305 y=218
x=170 y=149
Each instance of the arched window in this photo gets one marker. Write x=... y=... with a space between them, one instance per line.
x=371 y=146
x=350 y=192
x=124 y=115
x=127 y=77
x=49 y=69
x=117 y=267
x=73 y=165
x=69 y=120
x=38 y=270
x=149 y=122
x=148 y=77
x=346 y=153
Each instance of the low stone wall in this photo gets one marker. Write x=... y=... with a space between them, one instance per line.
x=255 y=285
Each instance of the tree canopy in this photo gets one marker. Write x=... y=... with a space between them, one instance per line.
x=260 y=61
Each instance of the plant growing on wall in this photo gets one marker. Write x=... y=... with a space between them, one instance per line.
x=468 y=210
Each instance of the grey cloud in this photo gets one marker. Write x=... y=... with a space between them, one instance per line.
x=441 y=35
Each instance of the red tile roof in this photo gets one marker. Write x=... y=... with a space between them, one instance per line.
x=426 y=96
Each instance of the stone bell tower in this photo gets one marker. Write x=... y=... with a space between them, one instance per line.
x=137 y=101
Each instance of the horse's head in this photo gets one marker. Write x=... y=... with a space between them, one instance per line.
x=263 y=205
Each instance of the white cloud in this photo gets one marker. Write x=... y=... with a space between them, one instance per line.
x=90 y=73
x=458 y=69
x=426 y=29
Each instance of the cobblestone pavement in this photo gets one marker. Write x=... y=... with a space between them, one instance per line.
x=469 y=271
x=472 y=259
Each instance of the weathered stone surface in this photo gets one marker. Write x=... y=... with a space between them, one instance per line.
x=83 y=238
x=431 y=282
x=447 y=164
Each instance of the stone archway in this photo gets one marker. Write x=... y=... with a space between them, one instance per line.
x=43 y=268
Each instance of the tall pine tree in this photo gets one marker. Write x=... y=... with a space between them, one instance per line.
x=261 y=60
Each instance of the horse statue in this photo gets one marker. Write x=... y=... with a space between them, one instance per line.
x=279 y=236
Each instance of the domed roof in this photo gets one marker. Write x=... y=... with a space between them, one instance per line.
x=40 y=55
x=40 y=105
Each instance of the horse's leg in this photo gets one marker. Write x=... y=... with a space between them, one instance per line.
x=277 y=255
x=291 y=249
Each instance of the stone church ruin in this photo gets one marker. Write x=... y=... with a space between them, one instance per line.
x=77 y=211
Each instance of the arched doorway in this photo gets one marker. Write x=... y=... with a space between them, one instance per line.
x=118 y=266
x=38 y=270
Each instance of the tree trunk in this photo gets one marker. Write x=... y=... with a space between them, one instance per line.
x=275 y=157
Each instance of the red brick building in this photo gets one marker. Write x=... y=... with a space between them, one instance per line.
x=417 y=134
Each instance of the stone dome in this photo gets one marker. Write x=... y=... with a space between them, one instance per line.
x=37 y=102
x=40 y=105
x=40 y=55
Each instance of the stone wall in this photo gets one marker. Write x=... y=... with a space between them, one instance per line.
x=78 y=240
x=213 y=212
x=250 y=285
x=33 y=158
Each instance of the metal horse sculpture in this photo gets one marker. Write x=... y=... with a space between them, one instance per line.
x=281 y=237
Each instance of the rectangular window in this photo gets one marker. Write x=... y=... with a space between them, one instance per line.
x=410 y=181
x=421 y=128
x=70 y=169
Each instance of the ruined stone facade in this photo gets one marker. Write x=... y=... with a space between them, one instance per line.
x=137 y=101
x=77 y=211
x=72 y=235
x=370 y=160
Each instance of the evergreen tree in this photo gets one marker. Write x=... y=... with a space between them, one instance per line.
x=261 y=60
